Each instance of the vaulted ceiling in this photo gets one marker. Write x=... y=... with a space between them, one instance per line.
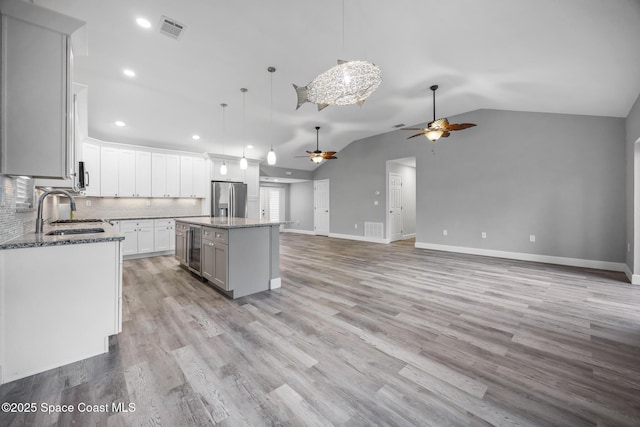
x=570 y=56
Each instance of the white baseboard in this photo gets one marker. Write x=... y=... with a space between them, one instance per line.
x=148 y=255
x=294 y=230
x=408 y=236
x=574 y=262
x=359 y=238
x=275 y=283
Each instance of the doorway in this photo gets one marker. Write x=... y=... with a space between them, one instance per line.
x=321 y=211
x=401 y=199
x=272 y=203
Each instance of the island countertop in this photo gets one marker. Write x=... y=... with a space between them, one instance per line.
x=228 y=223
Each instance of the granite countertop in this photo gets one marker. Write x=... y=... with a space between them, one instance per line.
x=131 y=218
x=229 y=222
x=33 y=240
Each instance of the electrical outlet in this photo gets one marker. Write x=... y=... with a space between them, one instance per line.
x=375 y=203
x=87 y=203
x=193 y=202
x=532 y=238
x=148 y=203
x=356 y=226
x=484 y=234
x=444 y=232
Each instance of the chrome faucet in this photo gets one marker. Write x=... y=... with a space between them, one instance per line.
x=39 y=220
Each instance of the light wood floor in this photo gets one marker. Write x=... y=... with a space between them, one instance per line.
x=363 y=334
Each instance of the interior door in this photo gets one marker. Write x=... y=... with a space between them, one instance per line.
x=395 y=206
x=321 y=211
x=272 y=203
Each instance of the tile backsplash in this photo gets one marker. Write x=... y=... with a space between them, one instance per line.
x=13 y=223
x=120 y=207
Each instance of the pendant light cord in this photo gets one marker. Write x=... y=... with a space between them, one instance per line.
x=244 y=123
x=223 y=108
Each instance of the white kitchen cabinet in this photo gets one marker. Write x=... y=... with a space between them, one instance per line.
x=164 y=235
x=165 y=175
x=134 y=173
x=36 y=112
x=108 y=171
x=143 y=174
x=91 y=159
x=192 y=177
x=138 y=236
x=126 y=173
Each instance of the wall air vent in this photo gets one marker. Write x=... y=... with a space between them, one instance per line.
x=170 y=27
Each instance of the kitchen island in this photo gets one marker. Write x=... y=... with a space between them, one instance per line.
x=60 y=297
x=237 y=256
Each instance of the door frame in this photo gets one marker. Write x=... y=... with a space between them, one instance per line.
x=389 y=221
x=328 y=205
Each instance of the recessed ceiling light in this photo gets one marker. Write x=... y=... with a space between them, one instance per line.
x=129 y=73
x=196 y=137
x=143 y=23
x=249 y=147
x=120 y=123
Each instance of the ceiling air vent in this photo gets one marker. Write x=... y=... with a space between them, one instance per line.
x=170 y=27
x=399 y=125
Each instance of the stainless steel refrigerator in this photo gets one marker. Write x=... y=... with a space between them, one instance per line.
x=228 y=199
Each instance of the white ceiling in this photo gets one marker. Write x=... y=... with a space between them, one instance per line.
x=569 y=56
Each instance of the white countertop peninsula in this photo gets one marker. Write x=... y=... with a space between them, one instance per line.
x=60 y=298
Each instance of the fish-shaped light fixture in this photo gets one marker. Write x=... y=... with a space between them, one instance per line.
x=349 y=82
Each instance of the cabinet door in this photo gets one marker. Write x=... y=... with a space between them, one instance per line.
x=208 y=259
x=158 y=175
x=220 y=257
x=91 y=159
x=126 y=173
x=162 y=238
x=130 y=231
x=145 y=240
x=172 y=240
x=199 y=180
x=143 y=174
x=37 y=104
x=186 y=176
x=108 y=171
x=173 y=175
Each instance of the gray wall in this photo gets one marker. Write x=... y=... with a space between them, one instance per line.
x=633 y=134
x=560 y=177
x=300 y=205
x=408 y=196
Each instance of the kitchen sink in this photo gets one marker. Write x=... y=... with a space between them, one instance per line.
x=75 y=231
x=75 y=221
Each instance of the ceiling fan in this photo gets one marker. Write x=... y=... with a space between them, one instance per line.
x=438 y=128
x=318 y=156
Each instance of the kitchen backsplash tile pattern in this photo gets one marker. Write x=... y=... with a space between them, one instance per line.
x=107 y=207
x=13 y=223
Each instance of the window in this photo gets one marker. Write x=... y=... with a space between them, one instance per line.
x=24 y=192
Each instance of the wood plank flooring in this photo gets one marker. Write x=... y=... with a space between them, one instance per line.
x=361 y=334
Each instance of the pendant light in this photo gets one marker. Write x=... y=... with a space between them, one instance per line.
x=243 y=160
x=271 y=156
x=223 y=167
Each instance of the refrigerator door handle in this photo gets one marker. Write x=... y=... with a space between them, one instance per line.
x=232 y=201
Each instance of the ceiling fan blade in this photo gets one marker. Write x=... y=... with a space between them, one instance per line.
x=417 y=134
x=445 y=134
x=330 y=158
x=459 y=126
x=328 y=154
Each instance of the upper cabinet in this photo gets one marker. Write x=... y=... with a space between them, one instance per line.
x=192 y=177
x=165 y=175
x=37 y=134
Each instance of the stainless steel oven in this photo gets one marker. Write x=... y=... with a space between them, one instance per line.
x=194 y=248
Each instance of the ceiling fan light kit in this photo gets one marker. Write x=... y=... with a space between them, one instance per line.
x=318 y=156
x=439 y=128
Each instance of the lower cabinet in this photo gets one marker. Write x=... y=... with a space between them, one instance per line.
x=138 y=236
x=181 y=242
x=215 y=256
x=164 y=235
